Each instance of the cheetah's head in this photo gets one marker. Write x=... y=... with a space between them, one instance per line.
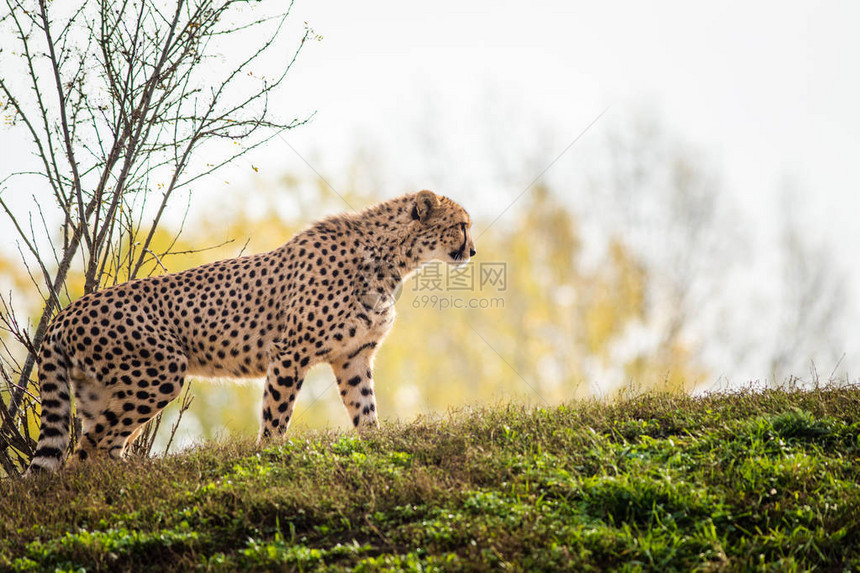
x=441 y=228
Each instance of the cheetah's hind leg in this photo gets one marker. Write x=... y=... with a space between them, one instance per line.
x=143 y=398
x=91 y=399
x=113 y=417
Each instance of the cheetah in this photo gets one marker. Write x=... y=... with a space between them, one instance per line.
x=327 y=295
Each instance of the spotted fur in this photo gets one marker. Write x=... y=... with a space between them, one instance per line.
x=327 y=295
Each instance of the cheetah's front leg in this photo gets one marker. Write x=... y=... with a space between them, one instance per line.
x=354 y=375
x=284 y=379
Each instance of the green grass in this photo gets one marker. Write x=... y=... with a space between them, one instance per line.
x=749 y=481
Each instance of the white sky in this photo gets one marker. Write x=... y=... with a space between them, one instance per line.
x=769 y=89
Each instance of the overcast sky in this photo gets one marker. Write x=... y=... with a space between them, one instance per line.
x=769 y=89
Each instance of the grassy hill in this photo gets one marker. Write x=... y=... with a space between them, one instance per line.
x=750 y=481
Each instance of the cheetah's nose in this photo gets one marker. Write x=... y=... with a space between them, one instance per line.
x=472 y=252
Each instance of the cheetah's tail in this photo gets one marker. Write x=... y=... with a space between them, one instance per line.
x=56 y=408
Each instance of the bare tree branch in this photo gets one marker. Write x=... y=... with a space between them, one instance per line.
x=135 y=102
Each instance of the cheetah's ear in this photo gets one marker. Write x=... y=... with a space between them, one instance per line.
x=425 y=203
